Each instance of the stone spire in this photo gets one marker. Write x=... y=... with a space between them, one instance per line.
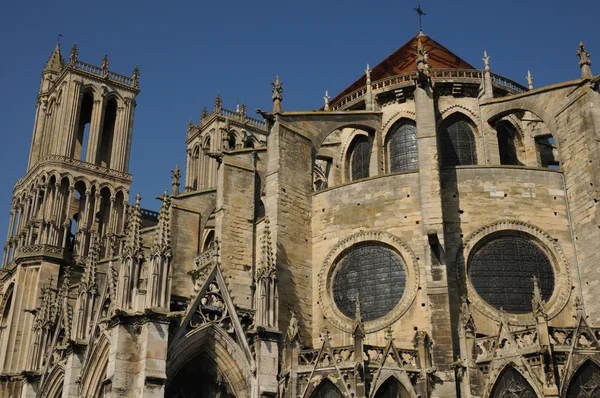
x=529 y=80
x=584 y=62
x=326 y=98
x=135 y=76
x=190 y=125
x=368 y=74
x=218 y=102
x=133 y=239
x=89 y=280
x=267 y=296
x=74 y=54
x=175 y=176
x=162 y=238
x=243 y=110
x=204 y=113
x=266 y=247
x=277 y=97
x=55 y=62
x=105 y=65
x=369 y=97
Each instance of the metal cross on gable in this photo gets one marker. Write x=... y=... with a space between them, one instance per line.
x=420 y=12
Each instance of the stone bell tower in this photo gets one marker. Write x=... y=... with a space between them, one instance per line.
x=74 y=192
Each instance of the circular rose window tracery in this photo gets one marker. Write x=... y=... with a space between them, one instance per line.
x=373 y=272
x=502 y=268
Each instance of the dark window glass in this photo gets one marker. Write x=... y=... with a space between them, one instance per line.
x=360 y=158
x=506 y=144
x=501 y=272
x=326 y=390
x=402 y=147
x=457 y=143
x=374 y=272
x=586 y=382
x=512 y=384
x=199 y=377
x=391 y=389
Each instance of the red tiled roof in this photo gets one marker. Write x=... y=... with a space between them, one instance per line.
x=404 y=61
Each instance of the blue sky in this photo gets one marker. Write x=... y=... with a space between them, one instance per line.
x=189 y=51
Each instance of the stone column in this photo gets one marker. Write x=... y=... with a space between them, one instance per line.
x=433 y=229
x=73 y=118
x=72 y=373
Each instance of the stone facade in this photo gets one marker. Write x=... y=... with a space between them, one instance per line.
x=432 y=231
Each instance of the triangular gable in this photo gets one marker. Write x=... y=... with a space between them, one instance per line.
x=391 y=358
x=325 y=359
x=404 y=60
x=213 y=306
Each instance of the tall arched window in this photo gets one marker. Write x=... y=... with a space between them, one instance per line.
x=402 y=148
x=457 y=142
x=512 y=384
x=360 y=157
x=103 y=156
x=83 y=128
x=507 y=136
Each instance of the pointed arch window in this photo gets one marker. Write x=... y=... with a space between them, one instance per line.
x=326 y=390
x=392 y=389
x=360 y=157
x=512 y=384
x=402 y=148
x=457 y=142
x=586 y=382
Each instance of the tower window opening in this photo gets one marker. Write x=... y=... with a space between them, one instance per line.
x=85 y=117
x=507 y=140
x=107 y=135
x=547 y=152
x=231 y=142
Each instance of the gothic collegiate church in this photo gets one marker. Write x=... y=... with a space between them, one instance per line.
x=432 y=231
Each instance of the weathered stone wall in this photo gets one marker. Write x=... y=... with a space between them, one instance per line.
x=388 y=203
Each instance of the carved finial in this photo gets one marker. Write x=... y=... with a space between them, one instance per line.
x=89 y=279
x=267 y=248
x=389 y=333
x=326 y=98
x=105 y=65
x=538 y=304
x=422 y=61
x=465 y=318
x=204 y=113
x=486 y=60
x=74 y=54
x=175 y=176
x=135 y=76
x=325 y=335
x=190 y=124
x=293 y=331
x=243 y=110
x=529 y=78
x=368 y=74
x=359 y=328
x=277 y=95
x=162 y=237
x=218 y=102
x=66 y=285
x=578 y=306
x=133 y=238
x=584 y=62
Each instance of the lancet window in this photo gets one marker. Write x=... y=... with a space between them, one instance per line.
x=457 y=142
x=402 y=148
x=360 y=157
